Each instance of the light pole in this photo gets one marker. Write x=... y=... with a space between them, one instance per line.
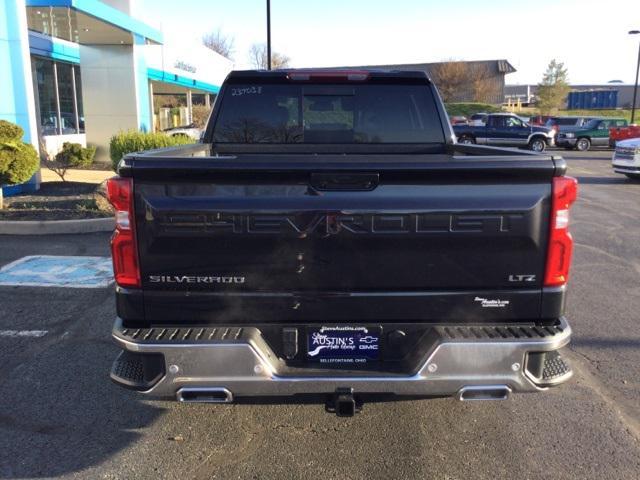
x=269 y=37
x=635 y=87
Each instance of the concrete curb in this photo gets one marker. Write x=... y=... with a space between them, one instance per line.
x=56 y=227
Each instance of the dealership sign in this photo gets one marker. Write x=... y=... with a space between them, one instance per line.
x=180 y=65
x=188 y=59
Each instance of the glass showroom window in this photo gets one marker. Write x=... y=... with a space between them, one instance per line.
x=59 y=97
x=46 y=85
x=78 y=85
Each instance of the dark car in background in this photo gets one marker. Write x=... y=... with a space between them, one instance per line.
x=560 y=124
x=594 y=133
x=507 y=130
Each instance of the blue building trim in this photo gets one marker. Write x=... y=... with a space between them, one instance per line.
x=166 y=77
x=142 y=88
x=15 y=98
x=29 y=187
x=53 y=48
x=105 y=13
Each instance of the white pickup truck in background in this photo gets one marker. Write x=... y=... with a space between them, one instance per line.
x=626 y=158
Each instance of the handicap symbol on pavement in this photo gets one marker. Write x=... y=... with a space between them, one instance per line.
x=58 y=271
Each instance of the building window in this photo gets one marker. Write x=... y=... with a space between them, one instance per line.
x=78 y=84
x=45 y=82
x=59 y=97
x=67 y=98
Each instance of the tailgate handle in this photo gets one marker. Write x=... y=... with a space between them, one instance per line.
x=345 y=181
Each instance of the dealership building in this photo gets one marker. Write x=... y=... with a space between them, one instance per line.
x=82 y=70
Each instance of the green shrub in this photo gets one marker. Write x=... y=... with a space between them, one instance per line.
x=18 y=162
x=74 y=155
x=10 y=132
x=468 y=109
x=132 y=141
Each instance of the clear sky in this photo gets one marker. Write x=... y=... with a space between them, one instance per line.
x=589 y=36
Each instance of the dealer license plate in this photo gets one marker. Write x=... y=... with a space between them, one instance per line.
x=343 y=345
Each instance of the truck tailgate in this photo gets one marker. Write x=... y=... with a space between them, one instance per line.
x=384 y=241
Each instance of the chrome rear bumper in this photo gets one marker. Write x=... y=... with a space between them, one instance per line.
x=238 y=362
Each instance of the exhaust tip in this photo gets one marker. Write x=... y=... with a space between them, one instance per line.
x=204 y=395
x=484 y=392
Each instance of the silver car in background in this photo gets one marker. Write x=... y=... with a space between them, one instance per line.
x=626 y=158
x=190 y=131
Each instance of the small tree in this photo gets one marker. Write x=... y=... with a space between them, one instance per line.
x=220 y=43
x=553 y=89
x=72 y=155
x=18 y=160
x=258 y=58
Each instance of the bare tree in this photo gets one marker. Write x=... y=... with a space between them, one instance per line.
x=49 y=161
x=451 y=78
x=220 y=43
x=482 y=84
x=258 y=57
x=200 y=115
x=72 y=155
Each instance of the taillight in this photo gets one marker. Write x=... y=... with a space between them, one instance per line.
x=564 y=193
x=123 y=242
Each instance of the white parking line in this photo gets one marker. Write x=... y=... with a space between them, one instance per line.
x=23 y=333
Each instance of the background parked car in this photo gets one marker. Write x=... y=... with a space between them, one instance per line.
x=478 y=119
x=539 y=120
x=593 y=133
x=618 y=133
x=507 y=130
x=561 y=124
x=626 y=159
x=190 y=131
x=459 y=120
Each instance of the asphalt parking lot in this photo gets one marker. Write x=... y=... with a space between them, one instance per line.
x=60 y=416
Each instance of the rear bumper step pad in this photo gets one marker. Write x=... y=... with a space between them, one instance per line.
x=523 y=358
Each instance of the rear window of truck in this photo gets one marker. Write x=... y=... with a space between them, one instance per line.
x=336 y=114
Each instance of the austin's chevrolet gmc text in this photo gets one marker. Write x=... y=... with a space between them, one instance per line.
x=329 y=238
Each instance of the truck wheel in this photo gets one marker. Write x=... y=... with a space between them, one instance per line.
x=633 y=176
x=537 y=145
x=466 y=140
x=583 y=144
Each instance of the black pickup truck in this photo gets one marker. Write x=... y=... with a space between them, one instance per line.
x=329 y=238
x=506 y=130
